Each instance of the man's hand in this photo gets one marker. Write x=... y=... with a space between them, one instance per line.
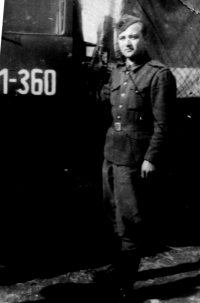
x=147 y=169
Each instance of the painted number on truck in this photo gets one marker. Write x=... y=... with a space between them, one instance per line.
x=37 y=81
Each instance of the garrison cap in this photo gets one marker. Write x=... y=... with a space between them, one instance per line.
x=125 y=21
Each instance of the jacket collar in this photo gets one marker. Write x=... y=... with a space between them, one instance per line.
x=141 y=62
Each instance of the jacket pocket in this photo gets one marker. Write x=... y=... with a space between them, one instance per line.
x=115 y=90
x=137 y=98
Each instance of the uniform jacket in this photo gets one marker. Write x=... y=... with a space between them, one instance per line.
x=142 y=101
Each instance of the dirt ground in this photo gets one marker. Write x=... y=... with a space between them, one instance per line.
x=170 y=276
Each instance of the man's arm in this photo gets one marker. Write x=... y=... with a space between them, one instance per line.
x=163 y=95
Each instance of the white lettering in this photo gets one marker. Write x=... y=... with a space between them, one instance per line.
x=49 y=82
x=36 y=83
x=4 y=73
x=24 y=82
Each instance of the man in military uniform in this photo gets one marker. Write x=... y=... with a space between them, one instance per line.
x=141 y=94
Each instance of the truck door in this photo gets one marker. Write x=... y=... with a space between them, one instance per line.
x=35 y=92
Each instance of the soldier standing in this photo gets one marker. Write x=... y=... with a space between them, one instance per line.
x=141 y=94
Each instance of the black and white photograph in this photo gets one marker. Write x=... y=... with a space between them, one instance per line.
x=99 y=119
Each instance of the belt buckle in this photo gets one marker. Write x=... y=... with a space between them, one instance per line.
x=118 y=126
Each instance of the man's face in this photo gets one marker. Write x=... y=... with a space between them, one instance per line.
x=131 y=41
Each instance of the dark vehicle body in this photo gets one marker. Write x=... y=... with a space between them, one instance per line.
x=34 y=60
x=42 y=50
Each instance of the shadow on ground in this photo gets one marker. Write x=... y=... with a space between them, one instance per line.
x=101 y=293
x=171 y=290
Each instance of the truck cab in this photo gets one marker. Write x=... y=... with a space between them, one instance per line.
x=41 y=52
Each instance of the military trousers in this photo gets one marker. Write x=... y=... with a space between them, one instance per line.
x=123 y=195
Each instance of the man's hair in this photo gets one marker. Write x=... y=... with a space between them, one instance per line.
x=126 y=21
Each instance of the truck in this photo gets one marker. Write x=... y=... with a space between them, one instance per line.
x=42 y=122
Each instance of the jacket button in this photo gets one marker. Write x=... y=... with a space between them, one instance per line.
x=137 y=91
x=120 y=106
x=122 y=95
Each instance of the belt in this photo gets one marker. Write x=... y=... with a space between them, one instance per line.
x=118 y=126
